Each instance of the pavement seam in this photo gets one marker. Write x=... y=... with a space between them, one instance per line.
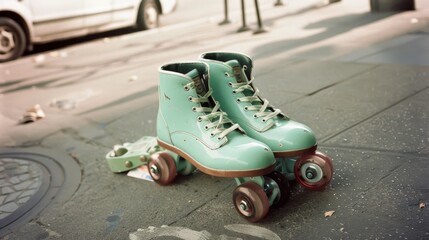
x=331 y=136
x=343 y=81
x=375 y=150
x=330 y=85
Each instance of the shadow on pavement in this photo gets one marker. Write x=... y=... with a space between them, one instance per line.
x=333 y=26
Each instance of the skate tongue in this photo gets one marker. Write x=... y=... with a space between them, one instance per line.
x=200 y=86
x=238 y=73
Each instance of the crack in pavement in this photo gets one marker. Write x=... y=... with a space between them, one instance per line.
x=331 y=136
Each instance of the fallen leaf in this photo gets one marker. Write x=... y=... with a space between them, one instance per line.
x=329 y=213
x=422 y=205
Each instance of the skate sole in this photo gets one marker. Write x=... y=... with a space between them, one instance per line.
x=295 y=153
x=214 y=172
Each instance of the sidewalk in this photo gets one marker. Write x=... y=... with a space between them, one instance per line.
x=360 y=80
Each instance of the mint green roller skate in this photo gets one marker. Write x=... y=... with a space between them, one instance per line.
x=293 y=144
x=190 y=124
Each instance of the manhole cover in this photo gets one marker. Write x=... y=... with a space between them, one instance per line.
x=19 y=181
x=29 y=181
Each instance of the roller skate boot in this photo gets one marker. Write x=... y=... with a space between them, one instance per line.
x=293 y=144
x=191 y=125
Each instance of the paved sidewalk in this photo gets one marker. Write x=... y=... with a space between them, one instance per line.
x=360 y=80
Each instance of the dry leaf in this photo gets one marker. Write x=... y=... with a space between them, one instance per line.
x=422 y=205
x=329 y=213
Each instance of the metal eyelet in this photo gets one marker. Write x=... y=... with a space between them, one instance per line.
x=199 y=119
x=186 y=88
x=238 y=100
x=233 y=91
x=255 y=116
x=227 y=74
x=190 y=98
x=194 y=109
x=230 y=84
x=219 y=138
x=264 y=120
x=206 y=128
x=211 y=134
x=245 y=67
x=246 y=108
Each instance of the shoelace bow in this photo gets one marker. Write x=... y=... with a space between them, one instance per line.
x=260 y=108
x=216 y=117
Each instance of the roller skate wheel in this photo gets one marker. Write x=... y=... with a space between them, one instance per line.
x=311 y=172
x=314 y=171
x=250 y=201
x=277 y=181
x=162 y=168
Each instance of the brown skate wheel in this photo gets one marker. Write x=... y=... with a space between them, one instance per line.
x=162 y=168
x=277 y=181
x=314 y=171
x=250 y=201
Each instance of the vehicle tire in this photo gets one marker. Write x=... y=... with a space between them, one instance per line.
x=12 y=40
x=148 y=15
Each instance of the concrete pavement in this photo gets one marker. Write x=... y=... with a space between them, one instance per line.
x=359 y=79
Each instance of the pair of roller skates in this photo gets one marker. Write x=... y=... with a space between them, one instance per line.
x=211 y=117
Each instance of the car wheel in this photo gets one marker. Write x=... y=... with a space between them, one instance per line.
x=12 y=40
x=148 y=17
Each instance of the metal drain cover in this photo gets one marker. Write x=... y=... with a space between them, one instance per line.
x=30 y=179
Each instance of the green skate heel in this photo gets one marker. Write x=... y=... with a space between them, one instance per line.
x=293 y=144
x=190 y=124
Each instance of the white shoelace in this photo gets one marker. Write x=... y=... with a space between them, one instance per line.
x=260 y=108
x=214 y=115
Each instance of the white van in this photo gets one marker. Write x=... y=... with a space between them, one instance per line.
x=25 y=22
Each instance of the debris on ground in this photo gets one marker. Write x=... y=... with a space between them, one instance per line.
x=56 y=54
x=63 y=104
x=39 y=59
x=329 y=213
x=133 y=78
x=72 y=100
x=422 y=205
x=32 y=114
x=141 y=172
